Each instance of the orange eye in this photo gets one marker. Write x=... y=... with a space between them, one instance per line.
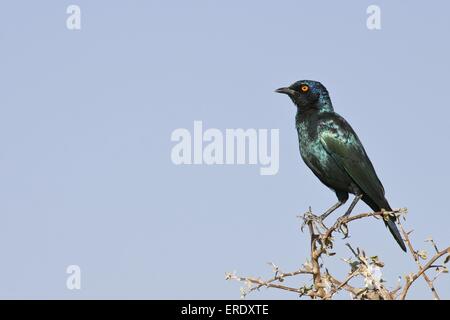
x=304 y=88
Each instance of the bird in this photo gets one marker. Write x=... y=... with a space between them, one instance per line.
x=334 y=153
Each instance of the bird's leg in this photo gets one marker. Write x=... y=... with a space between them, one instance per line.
x=342 y=226
x=352 y=205
x=330 y=210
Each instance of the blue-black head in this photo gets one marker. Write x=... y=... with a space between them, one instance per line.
x=308 y=94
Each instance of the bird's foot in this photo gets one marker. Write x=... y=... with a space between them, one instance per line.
x=311 y=219
x=341 y=225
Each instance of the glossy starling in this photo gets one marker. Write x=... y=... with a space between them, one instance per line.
x=334 y=153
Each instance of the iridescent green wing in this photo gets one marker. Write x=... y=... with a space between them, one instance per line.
x=343 y=145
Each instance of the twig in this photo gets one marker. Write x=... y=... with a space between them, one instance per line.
x=344 y=284
x=410 y=280
x=279 y=276
x=417 y=260
x=348 y=219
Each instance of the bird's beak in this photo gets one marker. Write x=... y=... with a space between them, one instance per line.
x=285 y=90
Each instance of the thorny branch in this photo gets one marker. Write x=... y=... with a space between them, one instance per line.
x=323 y=285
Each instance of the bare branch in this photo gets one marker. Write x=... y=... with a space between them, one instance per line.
x=416 y=258
x=326 y=286
x=410 y=279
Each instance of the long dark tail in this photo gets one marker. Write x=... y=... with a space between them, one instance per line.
x=394 y=230
x=389 y=223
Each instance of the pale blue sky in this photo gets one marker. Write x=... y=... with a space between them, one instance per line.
x=86 y=118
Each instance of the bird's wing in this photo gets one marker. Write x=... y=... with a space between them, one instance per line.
x=344 y=146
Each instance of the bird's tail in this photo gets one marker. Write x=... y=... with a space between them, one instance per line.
x=390 y=223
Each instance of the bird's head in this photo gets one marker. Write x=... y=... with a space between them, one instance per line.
x=308 y=94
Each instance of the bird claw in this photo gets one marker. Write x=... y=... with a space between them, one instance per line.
x=342 y=226
x=310 y=218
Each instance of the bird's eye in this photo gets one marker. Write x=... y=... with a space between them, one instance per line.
x=304 y=88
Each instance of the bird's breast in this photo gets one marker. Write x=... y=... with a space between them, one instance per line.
x=311 y=148
x=319 y=160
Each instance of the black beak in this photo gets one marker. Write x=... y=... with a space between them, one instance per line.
x=285 y=90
